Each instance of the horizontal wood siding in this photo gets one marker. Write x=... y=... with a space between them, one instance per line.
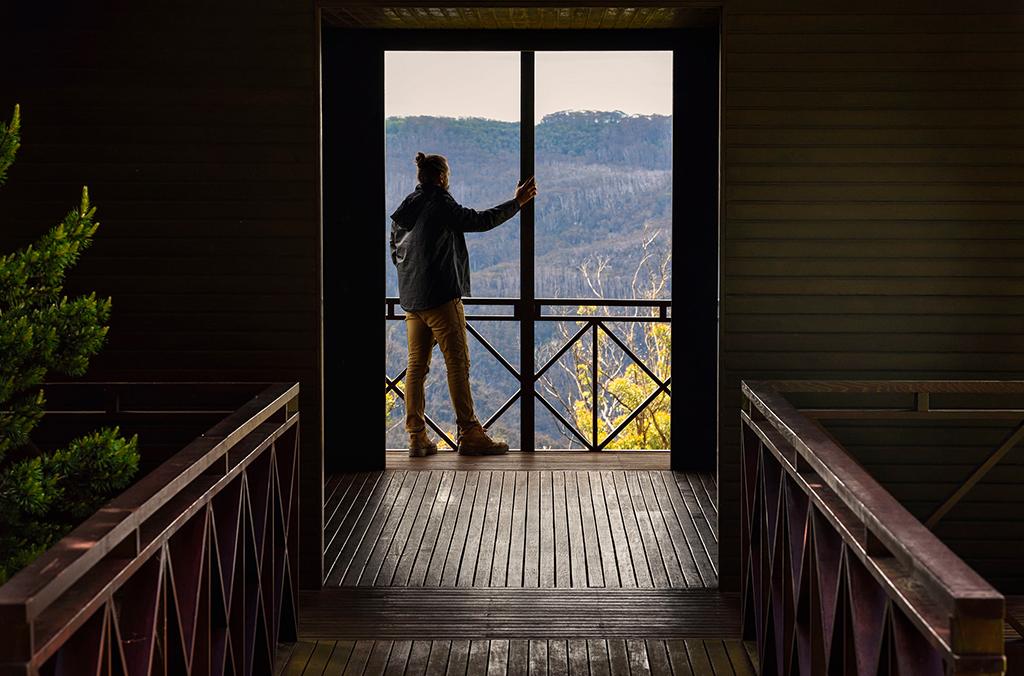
x=873 y=196
x=872 y=175
x=194 y=125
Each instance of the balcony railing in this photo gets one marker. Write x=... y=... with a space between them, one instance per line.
x=526 y=313
x=192 y=570
x=838 y=577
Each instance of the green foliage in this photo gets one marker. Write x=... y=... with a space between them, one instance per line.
x=10 y=139
x=390 y=399
x=623 y=388
x=43 y=494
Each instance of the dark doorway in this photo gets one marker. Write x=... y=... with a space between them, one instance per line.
x=353 y=192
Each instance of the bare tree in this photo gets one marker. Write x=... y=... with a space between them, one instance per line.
x=649 y=281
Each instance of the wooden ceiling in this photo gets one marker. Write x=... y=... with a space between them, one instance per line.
x=493 y=15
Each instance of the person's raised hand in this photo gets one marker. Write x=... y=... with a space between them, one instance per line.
x=526 y=190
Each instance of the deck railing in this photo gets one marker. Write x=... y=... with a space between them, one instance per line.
x=192 y=569
x=526 y=313
x=838 y=577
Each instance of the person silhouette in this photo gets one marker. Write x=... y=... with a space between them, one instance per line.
x=428 y=246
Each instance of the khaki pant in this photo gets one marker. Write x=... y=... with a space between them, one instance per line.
x=444 y=325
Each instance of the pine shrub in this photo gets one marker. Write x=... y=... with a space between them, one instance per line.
x=44 y=493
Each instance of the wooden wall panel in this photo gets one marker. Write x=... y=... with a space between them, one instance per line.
x=873 y=195
x=194 y=125
x=871 y=190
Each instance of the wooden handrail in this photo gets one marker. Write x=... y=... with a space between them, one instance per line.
x=953 y=606
x=126 y=531
x=893 y=386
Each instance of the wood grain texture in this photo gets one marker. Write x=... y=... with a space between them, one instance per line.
x=394 y=612
x=195 y=129
x=515 y=460
x=871 y=174
x=524 y=529
x=522 y=657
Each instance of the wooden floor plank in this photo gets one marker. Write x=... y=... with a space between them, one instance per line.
x=398 y=659
x=592 y=502
x=659 y=536
x=363 y=546
x=679 y=657
x=707 y=480
x=339 y=554
x=503 y=535
x=497 y=658
x=424 y=532
x=586 y=559
x=384 y=537
x=653 y=482
x=658 y=659
x=739 y=658
x=719 y=658
x=478 y=654
x=298 y=658
x=694 y=545
x=429 y=572
x=597 y=655
x=515 y=460
x=699 y=661
x=517 y=540
x=644 y=564
x=538 y=658
x=458 y=658
x=474 y=535
x=531 y=553
x=538 y=529
x=420 y=559
x=618 y=658
x=639 y=662
x=607 y=506
x=489 y=536
x=453 y=559
x=518 y=656
x=425 y=492
x=708 y=538
x=359 y=657
x=560 y=547
x=579 y=657
x=547 y=563
x=703 y=499
x=419 y=653
x=339 y=658
x=317 y=662
x=345 y=499
x=558 y=658
x=378 y=660
x=437 y=662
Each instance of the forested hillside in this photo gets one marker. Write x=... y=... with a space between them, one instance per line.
x=604 y=183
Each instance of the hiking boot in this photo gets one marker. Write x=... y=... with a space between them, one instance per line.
x=420 y=445
x=476 y=442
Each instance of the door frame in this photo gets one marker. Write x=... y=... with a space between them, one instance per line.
x=352 y=163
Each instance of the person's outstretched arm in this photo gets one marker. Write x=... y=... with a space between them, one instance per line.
x=464 y=219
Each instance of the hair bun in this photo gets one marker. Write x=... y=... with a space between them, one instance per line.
x=420 y=157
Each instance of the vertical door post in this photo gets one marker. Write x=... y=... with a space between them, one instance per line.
x=527 y=304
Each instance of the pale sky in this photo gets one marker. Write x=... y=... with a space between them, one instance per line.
x=486 y=84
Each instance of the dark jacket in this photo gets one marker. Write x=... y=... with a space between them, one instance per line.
x=428 y=246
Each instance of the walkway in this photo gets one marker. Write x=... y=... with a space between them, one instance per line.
x=555 y=563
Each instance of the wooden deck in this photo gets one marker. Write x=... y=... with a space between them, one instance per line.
x=593 y=657
x=651 y=460
x=548 y=528
x=554 y=563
